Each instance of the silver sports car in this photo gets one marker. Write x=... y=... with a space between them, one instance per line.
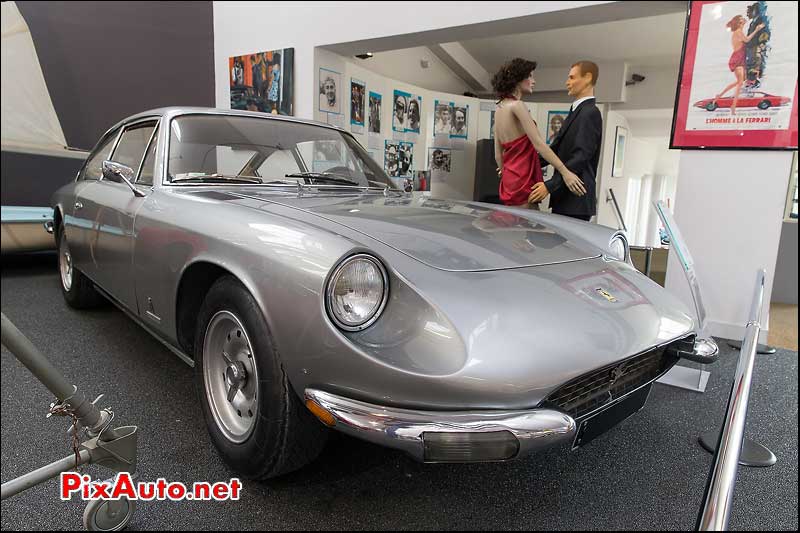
x=276 y=257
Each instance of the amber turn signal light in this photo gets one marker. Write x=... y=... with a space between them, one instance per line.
x=324 y=416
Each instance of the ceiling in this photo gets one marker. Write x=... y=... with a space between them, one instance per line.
x=650 y=41
x=653 y=41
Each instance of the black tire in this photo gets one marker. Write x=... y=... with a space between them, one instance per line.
x=285 y=435
x=764 y=104
x=711 y=106
x=77 y=289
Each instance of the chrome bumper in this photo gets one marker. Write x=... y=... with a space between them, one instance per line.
x=407 y=430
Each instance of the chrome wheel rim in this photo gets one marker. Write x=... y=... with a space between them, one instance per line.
x=65 y=264
x=230 y=376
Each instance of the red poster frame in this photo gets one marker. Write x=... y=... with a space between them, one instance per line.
x=683 y=139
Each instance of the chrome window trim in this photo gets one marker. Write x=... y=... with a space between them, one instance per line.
x=81 y=173
x=128 y=126
x=144 y=155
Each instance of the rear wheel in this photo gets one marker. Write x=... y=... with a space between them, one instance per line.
x=77 y=289
x=254 y=417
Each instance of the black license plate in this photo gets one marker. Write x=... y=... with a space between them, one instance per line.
x=602 y=421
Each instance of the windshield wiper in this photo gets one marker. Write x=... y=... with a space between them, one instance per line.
x=214 y=178
x=323 y=176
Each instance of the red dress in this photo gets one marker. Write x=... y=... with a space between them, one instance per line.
x=737 y=59
x=521 y=170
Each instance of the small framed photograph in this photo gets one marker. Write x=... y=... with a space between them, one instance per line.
x=619 y=152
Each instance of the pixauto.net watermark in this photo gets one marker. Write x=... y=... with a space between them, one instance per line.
x=123 y=486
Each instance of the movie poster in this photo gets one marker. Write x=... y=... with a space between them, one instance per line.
x=374 y=112
x=439 y=163
x=414 y=114
x=357 y=105
x=400 y=111
x=391 y=158
x=330 y=91
x=443 y=118
x=405 y=158
x=459 y=127
x=263 y=81
x=738 y=82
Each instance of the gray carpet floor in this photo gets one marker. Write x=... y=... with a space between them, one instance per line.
x=648 y=473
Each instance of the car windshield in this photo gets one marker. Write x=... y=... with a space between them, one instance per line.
x=227 y=149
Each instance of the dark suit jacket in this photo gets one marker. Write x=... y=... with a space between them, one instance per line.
x=578 y=146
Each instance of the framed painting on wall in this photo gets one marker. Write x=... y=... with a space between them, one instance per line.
x=737 y=86
x=263 y=81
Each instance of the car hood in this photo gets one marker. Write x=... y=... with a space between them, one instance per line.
x=446 y=234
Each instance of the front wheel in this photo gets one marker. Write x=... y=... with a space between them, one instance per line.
x=711 y=106
x=77 y=290
x=255 y=419
x=764 y=104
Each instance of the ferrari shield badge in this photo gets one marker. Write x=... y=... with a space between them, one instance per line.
x=605 y=294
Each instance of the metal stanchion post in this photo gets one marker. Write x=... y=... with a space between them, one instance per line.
x=718 y=497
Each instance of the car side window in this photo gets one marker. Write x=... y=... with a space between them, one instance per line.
x=132 y=144
x=94 y=166
x=149 y=164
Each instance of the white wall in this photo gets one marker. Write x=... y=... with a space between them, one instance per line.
x=405 y=64
x=605 y=210
x=656 y=91
x=460 y=184
x=304 y=26
x=729 y=207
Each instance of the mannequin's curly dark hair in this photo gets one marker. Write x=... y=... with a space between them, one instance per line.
x=506 y=79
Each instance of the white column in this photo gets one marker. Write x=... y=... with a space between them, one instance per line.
x=729 y=206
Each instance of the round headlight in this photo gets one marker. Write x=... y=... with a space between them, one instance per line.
x=357 y=292
x=618 y=248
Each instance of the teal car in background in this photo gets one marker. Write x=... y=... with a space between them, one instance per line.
x=27 y=229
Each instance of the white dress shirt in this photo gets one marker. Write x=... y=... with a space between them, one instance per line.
x=576 y=103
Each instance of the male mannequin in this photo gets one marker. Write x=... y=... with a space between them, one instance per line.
x=578 y=146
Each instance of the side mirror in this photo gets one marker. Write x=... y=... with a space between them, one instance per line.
x=119 y=173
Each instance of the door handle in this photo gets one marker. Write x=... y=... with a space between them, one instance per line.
x=78 y=205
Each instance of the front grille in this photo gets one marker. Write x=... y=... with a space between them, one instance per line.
x=591 y=391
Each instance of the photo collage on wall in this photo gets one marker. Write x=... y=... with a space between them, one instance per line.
x=450 y=132
x=330 y=96
x=358 y=95
x=263 y=81
x=399 y=163
x=406 y=116
x=451 y=120
x=406 y=124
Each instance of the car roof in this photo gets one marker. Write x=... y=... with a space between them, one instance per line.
x=176 y=111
